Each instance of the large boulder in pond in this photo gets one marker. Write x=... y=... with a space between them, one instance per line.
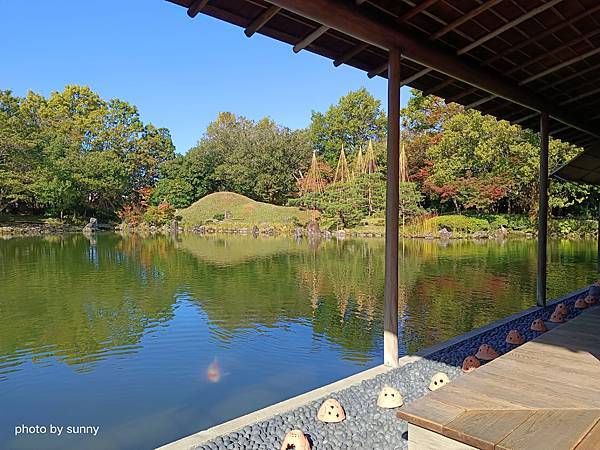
x=91 y=226
x=312 y=229
x=501 y=233
x=445 y=234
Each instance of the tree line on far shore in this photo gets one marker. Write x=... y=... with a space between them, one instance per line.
x=74 y=154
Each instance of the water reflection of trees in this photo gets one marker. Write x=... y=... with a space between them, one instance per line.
x=64 y=297
x=81 y=301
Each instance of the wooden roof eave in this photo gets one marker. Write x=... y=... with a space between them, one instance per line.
x=360 y=37
x=350 y=20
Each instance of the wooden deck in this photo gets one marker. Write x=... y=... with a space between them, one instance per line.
x=542 y=395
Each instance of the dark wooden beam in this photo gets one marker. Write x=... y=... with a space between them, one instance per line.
x=416 y=10
x=414 y=76
x=261 y=20
x=580 y=96
x=524 y=118
x=312 y=37
x=348 y=19
x=542 y=35
x=390 y=311
x=463 y=94
x=508 y=25
x=570 y=77
x=196 y=7
x=480 y=102
x=349 y=55
x=438 y=87
x=562 y=65
x=464 y=18
x=553 y=51
x=377 y=71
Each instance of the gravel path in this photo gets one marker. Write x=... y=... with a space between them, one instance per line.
x=367 y=426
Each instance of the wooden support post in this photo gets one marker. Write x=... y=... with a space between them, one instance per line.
x=543 y=212
x=598 y=238
x=390 y=315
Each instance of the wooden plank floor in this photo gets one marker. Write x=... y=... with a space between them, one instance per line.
x=543 y=395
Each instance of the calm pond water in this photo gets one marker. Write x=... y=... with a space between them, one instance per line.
x=119 y=332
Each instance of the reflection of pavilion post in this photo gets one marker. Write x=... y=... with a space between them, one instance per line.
x=403 y=175
x=390 y=317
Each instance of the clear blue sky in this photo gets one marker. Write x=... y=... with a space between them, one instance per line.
x=179 y=72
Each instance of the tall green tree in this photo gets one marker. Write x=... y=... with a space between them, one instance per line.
x=258 y=159
x=356 y=118
x=75 y=152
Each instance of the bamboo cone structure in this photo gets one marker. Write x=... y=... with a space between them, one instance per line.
x=342 y=172
x=313 y=182
x=370 y=168
x=370 y=164
x=359 y=164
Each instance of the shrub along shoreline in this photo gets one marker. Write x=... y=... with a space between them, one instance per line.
x=443 y=227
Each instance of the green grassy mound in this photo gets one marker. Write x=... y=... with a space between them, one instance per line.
x=241 y=211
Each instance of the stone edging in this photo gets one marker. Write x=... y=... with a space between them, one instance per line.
x=194 y=440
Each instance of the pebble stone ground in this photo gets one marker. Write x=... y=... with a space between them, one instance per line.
x=367 y=426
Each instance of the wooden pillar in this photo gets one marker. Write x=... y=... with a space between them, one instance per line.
x=598 y=239
x=542 y=212
x=390 y=315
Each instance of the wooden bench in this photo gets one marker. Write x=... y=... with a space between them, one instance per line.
x=542 y=395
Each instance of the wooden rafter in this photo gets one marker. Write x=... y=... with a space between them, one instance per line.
x=507 y=26
x=525 y=118
x=542 y=35
x=438 y=87
x=568 y=78
x=464 y=18
x=415 y=76
x=581 y=96
x=378 y=70
x=481 y=101
x=261 y=20
x=558 y=49
x=562 y=65
x=416 y=10
x=310 y=38
x=196 y=7
x=351 y=54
